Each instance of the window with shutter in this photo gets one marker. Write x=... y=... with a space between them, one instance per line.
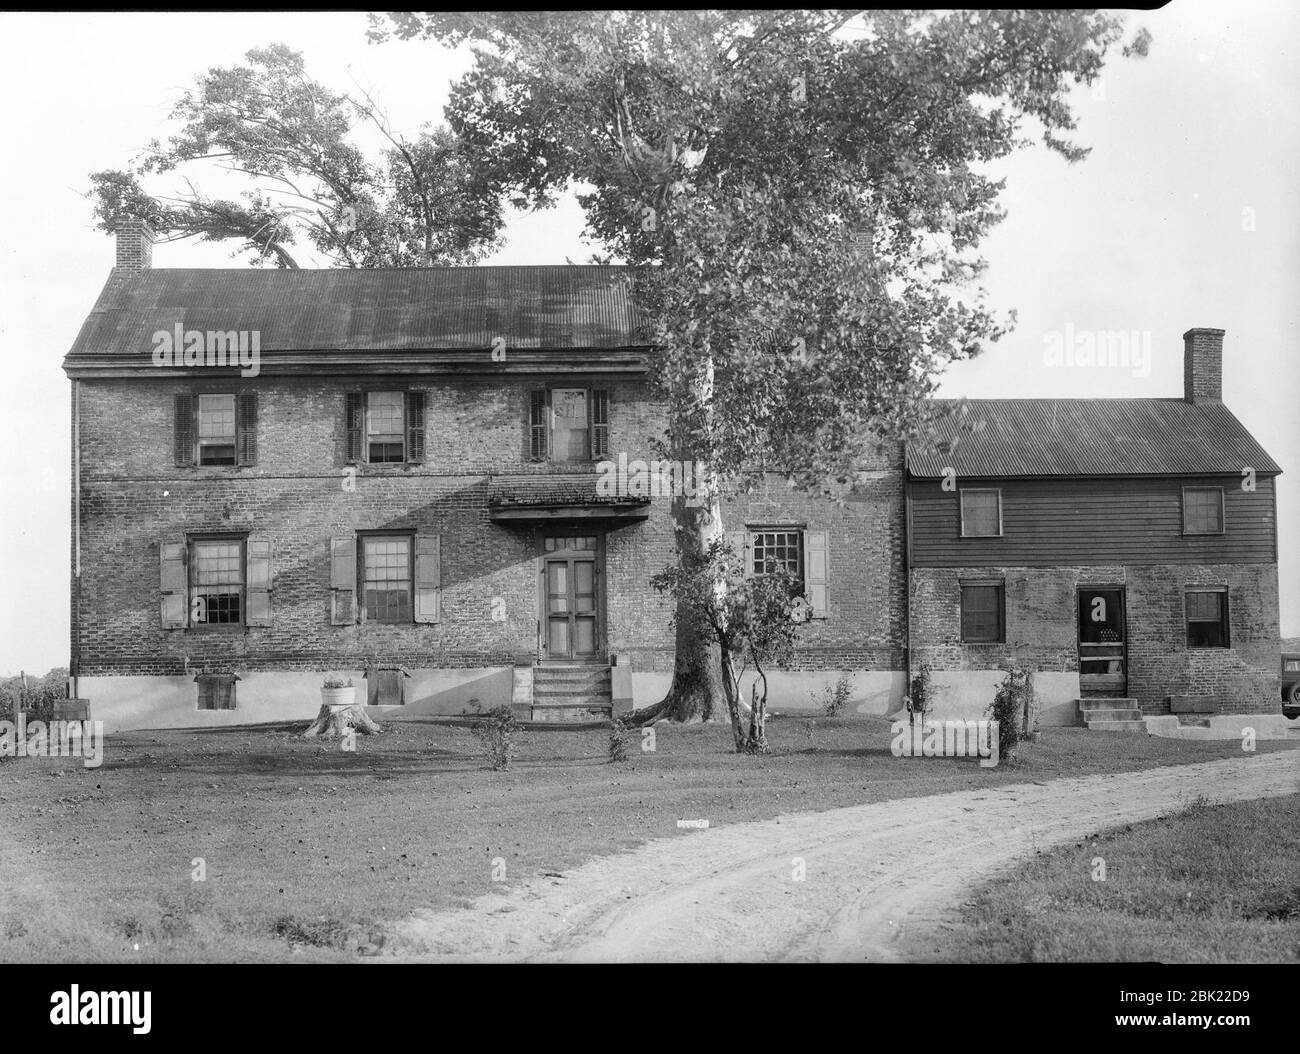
x=343 y=580
x=246 y=428
x=354 y=411
x=385 y=577
x=259 y=574
x=415 y=427
x=217 y=582
x=599 y=424
x=183 y=429
x=428 y=577
x=173 y=584
x=385 y=427
x=217 y=431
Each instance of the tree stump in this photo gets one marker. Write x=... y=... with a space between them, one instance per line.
x=338 y=721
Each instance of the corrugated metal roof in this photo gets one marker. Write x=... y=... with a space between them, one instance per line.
x=368 y=309
x=551 y=488
x=1095 y=437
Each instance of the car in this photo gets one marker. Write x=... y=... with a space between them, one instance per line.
x=1291 y=684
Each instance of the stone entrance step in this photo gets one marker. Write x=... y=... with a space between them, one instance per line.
x=1113 y=714
x=571 y=693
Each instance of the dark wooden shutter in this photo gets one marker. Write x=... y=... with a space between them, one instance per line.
x=205 y=692
x=816 y=571
x=246 y=428
x=428 y=577
x=343 y=580
x=355 y=419
x=537 y=425
x=258 y=587
x=183 y=429
x=415 y=427
x=599 y=424
x=173 y=585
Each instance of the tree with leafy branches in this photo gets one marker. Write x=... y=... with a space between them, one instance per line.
x=752 y=620
x=800 y=197
x=420 y=204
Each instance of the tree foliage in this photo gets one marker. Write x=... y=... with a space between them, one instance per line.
x=420 y=203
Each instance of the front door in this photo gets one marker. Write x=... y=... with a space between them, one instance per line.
x=570 y=623
x=1103 y=659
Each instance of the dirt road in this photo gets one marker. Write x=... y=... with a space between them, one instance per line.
x=869 y=873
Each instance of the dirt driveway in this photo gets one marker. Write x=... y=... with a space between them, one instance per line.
x=870 y=873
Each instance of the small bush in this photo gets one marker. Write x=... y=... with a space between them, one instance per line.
x=335 y=680
x=617 y=740
x=1014 y=694
x=496 y=732
x=832 y=699
x=920 y=700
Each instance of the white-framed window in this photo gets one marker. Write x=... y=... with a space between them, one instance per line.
x=217 y=582
x=216 y=429
x=385 y=572
x=385 y=427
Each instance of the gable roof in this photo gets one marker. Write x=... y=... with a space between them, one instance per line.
x=371 y=309
x=1095 y=437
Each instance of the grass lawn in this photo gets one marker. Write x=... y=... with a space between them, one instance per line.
x=1214 y=883
x=308 y=849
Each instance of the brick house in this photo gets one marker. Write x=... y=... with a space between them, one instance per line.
x=394 y=475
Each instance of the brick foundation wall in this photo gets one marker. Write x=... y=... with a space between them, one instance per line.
x=1041 y=612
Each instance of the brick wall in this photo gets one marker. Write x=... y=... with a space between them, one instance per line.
x=1041 y=612
x=301 y=493
x=297 y=497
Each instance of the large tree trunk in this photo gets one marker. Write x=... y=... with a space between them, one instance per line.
x=696 y=690
x=337 y=722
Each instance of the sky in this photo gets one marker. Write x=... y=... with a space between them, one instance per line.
x=1185 y=214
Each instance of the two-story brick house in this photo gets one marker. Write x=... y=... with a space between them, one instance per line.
x=406 y=477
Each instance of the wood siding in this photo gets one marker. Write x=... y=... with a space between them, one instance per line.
x=1085 y=521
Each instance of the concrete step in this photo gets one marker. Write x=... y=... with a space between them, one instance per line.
x=571 y=713
x=1091 y=717
x=1107 y=702
x=572 y=698
x=1117 y=726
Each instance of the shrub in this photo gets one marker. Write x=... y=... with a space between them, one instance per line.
x=834 y=698
x=617 y=740
x=496 y=732
x=335 y=680
x=1014 y=698
x=920 y=700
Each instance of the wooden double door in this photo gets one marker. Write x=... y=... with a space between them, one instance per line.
x=571 y=621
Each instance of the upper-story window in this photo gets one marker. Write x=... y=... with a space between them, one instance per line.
x=215 y=428
x=981 y=513
x=568 y=424
x=1202 y=510
x=385 y=427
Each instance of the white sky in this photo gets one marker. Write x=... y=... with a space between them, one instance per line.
x=1151 y=233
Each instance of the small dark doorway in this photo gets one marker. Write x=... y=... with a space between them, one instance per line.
x=1103 y=651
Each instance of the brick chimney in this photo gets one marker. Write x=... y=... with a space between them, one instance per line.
x=1203 y=365
x=134 y=246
